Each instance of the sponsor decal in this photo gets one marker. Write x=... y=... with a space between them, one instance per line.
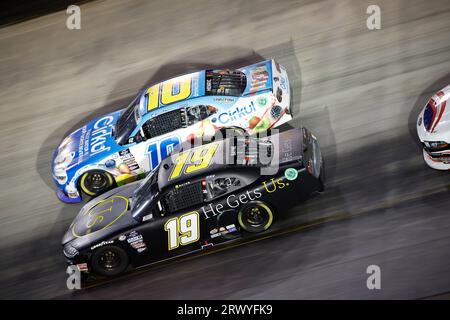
x=101 y=244
x=235 y=201
x=81 y=144
x=224 y=99
x=147 y=217
x=82 y=267
x=262 y=101
x=274 y=185
x=283 y=84
x=128 y=159
x=291 y=174
x=102 y=129
x=222 y=231
x=136 y=241
x=110 y=163
x=235 y=113
x=259 y=78
x=122 y=237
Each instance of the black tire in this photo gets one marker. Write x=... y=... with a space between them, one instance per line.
x=109 y=261
x=96 y=182
x=256 y=217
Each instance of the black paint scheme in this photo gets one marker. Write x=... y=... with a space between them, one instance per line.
x=133 y=216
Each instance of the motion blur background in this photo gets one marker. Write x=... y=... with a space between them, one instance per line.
x=358 y=90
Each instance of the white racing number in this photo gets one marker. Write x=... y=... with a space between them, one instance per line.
x=182 y=230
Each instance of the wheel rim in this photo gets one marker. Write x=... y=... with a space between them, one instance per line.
x=96 y=182
x=255 y=216
x=109 y=260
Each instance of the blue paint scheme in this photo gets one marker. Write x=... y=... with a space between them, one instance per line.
x=88 y=147
x=65 y=198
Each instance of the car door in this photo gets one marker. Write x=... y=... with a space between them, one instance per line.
x=156 y=138
x=176 y=226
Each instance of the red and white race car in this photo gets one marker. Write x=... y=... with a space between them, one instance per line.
x=433 y=128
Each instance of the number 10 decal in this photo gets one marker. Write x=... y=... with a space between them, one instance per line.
x=159 y=150
x=168 y=92
x=182 y=230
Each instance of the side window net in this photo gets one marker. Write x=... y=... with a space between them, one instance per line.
x=176 y=119
x=162 y=124
x=184 y=197
x=225 y=82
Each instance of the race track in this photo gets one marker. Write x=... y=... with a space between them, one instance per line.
x=358 y=90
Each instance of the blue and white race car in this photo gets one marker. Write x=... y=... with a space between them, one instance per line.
x=125 y=145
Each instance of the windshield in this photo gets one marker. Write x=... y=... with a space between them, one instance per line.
x=143 y=196
x=127 y=122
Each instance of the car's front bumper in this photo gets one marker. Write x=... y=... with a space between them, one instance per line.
x=438 y=161
x=62 y=196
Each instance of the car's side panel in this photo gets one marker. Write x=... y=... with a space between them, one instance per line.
x=217 y=220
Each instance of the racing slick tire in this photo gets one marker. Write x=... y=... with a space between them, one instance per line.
x=109 y=261
x=96 y=182
x=256 y=217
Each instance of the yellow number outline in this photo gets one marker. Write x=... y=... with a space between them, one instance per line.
x=167 y=97
x=152 y=97
x=162 y=92
x=180 y=234
x=204 y=154
x=180 y=161
x=204 y=158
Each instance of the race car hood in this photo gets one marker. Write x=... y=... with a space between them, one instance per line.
x=434 y=120
x=102 y=217
x=85 y=145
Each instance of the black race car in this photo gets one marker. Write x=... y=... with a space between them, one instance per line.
x=195 y=199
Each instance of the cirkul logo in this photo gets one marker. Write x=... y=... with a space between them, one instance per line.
x=236 y=113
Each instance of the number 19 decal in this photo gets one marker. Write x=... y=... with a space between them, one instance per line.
x=182 y=230
x=198 y=159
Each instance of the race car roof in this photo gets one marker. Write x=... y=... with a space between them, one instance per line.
x=201 y=160
x=274 y=151
x=219 y=82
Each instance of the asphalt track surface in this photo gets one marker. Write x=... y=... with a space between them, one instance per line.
x=359 y=91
